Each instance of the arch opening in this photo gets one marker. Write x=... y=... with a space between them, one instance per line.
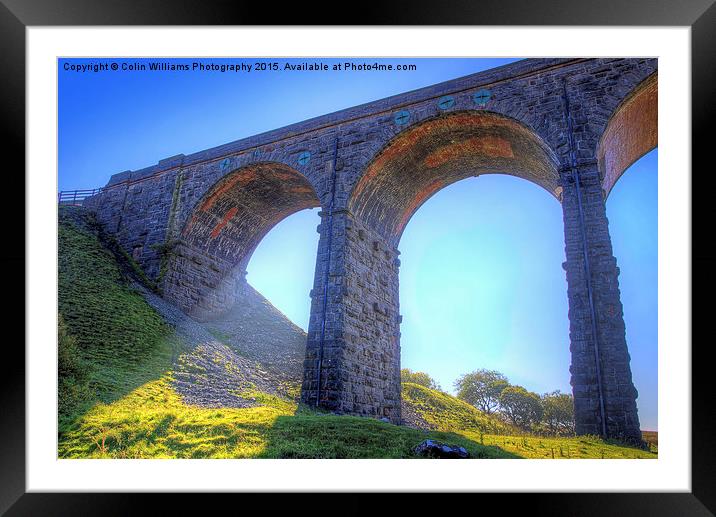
x=437 y=152
x=632 y=131
x=209 y=261
x=632 y=209
x=481 y=285
x=282 y=266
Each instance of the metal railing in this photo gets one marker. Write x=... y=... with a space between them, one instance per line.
x=75 y=197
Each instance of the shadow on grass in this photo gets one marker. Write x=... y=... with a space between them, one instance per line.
x=331 y=436
x=104 y=393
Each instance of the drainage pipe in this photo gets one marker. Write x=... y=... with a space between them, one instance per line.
x=326 y=276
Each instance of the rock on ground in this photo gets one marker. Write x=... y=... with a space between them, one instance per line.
x=435 y=449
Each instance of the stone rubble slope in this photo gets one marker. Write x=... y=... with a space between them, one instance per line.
x=214 y=372
x=262 y=333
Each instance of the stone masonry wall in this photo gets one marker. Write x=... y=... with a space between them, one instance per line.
x=138 y=214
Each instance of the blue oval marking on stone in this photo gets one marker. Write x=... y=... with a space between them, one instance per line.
x=448 y=101
x=225 y=164
x=402 y=117
x=304 y=158
x=481 y=97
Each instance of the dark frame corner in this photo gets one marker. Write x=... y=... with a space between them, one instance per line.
x=700 y=15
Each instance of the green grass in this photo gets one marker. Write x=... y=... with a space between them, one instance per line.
x=121 y=340
x=575 y=447
x=152 y=422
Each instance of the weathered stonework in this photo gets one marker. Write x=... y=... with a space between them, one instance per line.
x=193 y=221
x=362 y=366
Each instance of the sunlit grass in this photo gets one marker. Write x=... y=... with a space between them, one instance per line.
x=576 y=447
x=153 y=422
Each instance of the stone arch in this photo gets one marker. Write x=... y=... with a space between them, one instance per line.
x=208 y=262
x=414 y=165
x=439 y=151
x=631 y=132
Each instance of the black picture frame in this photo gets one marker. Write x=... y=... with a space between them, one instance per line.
x=16 y=15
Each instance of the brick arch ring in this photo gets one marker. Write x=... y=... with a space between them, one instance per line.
x=209 y=261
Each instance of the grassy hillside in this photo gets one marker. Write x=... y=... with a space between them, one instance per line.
x=121 y=341
x=131 y=374
x=444 y=412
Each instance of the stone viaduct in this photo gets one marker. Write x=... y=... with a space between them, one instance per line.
x=571 y=126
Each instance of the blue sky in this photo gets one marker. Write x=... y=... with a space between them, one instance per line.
x=481 y=281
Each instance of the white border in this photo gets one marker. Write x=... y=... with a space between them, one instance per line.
x=672 y=469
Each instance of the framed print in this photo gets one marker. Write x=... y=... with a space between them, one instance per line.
x=185 y=334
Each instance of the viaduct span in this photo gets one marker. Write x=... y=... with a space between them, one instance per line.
x=572 y=126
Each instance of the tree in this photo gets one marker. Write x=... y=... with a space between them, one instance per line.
x=482 y=389
x=522 y=407
x=422 y=378
x=558 y=412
